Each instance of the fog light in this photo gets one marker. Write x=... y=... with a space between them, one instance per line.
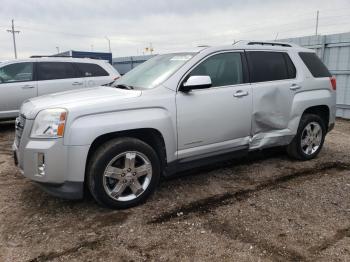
x=41 y=164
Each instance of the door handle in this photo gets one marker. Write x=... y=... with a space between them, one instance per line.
x=27 y=86
x=294 y=87
x=77 y=83
x=240 y=93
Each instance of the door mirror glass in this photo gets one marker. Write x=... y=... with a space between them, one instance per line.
x=196 y=82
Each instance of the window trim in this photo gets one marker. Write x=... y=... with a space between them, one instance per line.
x=284 y=59
x=244 y=70
x=79 y=72
x=33 y=73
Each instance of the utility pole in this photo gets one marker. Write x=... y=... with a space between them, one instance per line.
x=317 y=22
x=109 y=44
x=13 y=31
x=58 y=49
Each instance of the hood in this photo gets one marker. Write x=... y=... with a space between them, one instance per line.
x=76 y=98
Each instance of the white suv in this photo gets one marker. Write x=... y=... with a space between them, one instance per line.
x=27 y=78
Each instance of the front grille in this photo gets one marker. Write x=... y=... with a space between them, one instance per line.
x=19 y=125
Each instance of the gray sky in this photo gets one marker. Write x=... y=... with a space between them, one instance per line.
x=169 y=25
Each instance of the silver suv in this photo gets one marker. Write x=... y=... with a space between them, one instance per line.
x=175 y=112
x=26 y=78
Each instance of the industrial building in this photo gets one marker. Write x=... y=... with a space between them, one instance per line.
x=126 y=63
x=85 y=54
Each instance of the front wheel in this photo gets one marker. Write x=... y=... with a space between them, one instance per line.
x=309 y=139
x=123 y=173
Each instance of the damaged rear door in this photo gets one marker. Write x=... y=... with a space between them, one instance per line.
x=274 y=83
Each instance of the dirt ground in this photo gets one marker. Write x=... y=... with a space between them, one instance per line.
x=265 y=207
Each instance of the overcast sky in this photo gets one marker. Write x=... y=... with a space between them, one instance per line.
x=169 y=25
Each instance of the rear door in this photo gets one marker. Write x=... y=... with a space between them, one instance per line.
x=16 y=85
x=57 y=77
x=274 y=83
x=94 y=74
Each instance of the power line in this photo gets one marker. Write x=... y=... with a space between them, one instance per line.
x=13 y=31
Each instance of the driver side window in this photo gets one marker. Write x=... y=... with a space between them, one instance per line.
x=19 y=72
x=224 y=69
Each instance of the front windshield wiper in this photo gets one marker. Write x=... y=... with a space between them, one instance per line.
x=123 y=86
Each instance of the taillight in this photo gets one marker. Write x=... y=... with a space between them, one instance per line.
x=333 y=83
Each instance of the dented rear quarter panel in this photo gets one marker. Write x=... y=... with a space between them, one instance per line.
x=277 y=109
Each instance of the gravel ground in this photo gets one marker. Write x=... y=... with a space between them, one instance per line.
x=264 y=207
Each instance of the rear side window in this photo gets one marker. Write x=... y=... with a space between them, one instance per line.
x=292 y=72
x=55 y=70
x=314 y=64
x=270 y=66
x=91 y=70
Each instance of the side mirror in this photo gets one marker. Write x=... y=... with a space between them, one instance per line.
x=196 y=82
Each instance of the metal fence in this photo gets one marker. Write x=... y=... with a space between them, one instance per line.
x=334 y=51
x=125 y=64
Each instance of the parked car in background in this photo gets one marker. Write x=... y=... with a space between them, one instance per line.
x=27 y=78
x=175 y=112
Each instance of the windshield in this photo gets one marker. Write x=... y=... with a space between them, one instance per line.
x=154 y=71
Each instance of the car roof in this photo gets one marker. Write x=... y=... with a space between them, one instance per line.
x=57 y=59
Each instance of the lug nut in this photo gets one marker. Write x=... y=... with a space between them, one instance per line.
x=129 y=169
x=123 y=174
x=134 y=174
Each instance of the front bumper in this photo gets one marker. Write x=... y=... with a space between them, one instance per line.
x=67 y=190
x=57 y=168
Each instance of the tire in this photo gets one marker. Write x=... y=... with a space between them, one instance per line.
x=115 y=171
x=298 y=148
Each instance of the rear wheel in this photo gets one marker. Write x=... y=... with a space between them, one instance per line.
x=123 y=173
x=309 y=139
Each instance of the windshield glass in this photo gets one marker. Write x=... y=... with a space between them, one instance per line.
x=154 y=71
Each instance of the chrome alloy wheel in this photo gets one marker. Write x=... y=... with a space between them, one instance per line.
x=311 y=138
x=127 y=176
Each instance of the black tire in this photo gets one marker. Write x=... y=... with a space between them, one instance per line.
x=294 y=149
x=104 y=155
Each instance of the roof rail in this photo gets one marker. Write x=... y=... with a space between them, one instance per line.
x=270 y=43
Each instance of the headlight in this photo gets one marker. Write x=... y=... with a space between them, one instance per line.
x=49 y=123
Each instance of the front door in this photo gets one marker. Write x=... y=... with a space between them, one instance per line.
x=16 y=85
x=216 y=119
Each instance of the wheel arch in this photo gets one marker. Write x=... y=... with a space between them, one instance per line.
x=150 y=136
x=323 y=111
